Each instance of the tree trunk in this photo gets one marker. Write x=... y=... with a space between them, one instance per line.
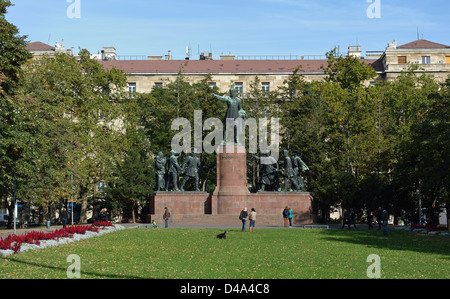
x=447 y=208
x=132 y=212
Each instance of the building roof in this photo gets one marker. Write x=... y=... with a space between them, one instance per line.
x=38 y=46
x=217 y=66
x=422 y=44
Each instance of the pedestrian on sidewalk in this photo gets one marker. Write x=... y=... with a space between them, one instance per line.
x=290 y=217
x=385 y=216
x=166 y=217
x=370 y=218
x=252 y=219
x=346 y=219
x=379 y=217
x=243 y=217
x=286 y=216
x=64 y=217
x=352 y=218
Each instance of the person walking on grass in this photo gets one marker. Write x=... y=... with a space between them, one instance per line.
x=166 y=217
x=252 y=218
x=243 y=217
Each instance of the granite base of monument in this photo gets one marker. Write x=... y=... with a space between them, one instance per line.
x=230 y=196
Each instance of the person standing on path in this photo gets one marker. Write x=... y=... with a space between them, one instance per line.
x=166 y=217
x=352 y=218
x=252 y=219
x=243 y=218
x=370 y=218
x=286 y=216
x=385 y=216
x=290 y=217
x=346 y=219
x=64 y=217
x=379 y=217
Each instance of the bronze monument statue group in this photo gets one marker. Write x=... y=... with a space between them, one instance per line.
x=290 y=168
x=168 y=171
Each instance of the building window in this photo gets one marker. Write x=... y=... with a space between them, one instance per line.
x=158 y=84
x=131 y=87
x=265 y=86
x=212 y=85
x=426 y=60
x=239 y=86
x=401 y=59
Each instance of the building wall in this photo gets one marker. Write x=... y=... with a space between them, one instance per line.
x=439 y=64
x=146 y=82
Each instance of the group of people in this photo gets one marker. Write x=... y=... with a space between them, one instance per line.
x=349 y=218
x=287 y=217
x=251 y=217
x=381 y=216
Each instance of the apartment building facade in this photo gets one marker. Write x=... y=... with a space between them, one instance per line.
x=433 y=58
x=144 y=73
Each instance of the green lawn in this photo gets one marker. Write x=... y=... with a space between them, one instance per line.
x=267 y=253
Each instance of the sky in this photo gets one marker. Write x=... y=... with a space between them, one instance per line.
x=239 y=27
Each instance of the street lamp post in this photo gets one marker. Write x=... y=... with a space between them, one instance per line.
x=15 y=205
x=71 y=186
x=420 y=207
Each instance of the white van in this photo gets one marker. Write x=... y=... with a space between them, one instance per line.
x=4 y=219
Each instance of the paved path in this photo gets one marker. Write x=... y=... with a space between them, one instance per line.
x=4 y=232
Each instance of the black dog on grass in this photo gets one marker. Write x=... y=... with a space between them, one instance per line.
x=222 y=236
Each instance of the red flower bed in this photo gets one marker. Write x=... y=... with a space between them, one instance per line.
x=14 y=242
x=103 y=223
x=437 y=228
x=431 y=229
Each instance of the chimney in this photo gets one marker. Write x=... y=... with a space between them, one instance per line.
x=206 y=56
x=354 y=51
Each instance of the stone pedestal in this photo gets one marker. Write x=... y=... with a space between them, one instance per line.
x=230 y=196
x=231 y=192
x=180 y=203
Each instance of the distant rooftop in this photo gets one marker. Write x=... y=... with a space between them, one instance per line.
x=38 y=46
x=422 y=44
x=220 y=66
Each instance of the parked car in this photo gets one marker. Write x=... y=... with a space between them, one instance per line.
x=4 y=219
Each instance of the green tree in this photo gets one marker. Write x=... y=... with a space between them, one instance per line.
x=350 y=72
x=424 y=156
x=13 y=53
x=134 y=175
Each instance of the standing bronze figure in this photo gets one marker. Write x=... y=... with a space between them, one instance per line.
x=160 y=167
x=234 y=111
x=190 y=168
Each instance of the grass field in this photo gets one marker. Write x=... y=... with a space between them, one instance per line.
x=267 y=254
